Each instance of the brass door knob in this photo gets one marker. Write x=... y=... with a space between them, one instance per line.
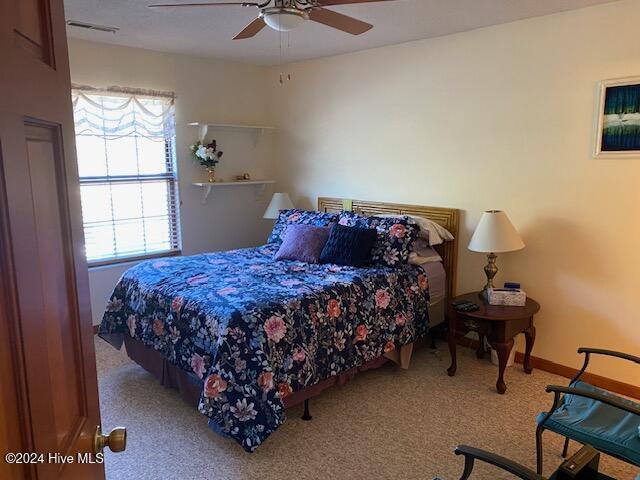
x=116 y=440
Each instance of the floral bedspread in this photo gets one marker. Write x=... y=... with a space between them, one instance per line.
x=255 y=330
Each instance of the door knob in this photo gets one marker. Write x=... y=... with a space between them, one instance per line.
x=116 y=440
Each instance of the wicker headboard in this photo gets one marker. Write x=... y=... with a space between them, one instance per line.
x=447 y=217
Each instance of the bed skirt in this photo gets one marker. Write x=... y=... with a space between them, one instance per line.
x=190 y=387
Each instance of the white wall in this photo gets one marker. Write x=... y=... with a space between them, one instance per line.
x=500 y=117
x=206 y=90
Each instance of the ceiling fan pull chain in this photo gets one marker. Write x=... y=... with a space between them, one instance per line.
x=283 y=77
x=280 y=57
x=288 y=47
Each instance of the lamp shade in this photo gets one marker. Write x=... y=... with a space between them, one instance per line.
x=279 y=201
x=495 y=233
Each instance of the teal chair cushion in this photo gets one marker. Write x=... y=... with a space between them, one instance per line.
x=602 y=426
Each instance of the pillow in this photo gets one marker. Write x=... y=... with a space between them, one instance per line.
x=303 y=243
x=422 y=249
x=427 y=255
x=297 y=216
x=394 y=239
x=431 y=231
x=349 y=246
x=420 y=244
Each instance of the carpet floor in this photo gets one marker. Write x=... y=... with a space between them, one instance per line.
x=385 y=424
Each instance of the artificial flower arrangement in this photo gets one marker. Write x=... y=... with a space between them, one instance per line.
x=207 y=155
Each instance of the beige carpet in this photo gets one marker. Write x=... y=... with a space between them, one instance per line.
x=386 y=424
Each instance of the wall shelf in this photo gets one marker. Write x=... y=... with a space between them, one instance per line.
x=203 y=128
x=208 y=186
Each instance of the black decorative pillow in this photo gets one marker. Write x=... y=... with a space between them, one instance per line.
x=394 y=239
x=349 y=246
x=296 y=216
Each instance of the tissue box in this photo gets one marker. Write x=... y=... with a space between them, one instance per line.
x=510 y=297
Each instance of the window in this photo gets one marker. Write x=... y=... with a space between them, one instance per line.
x=126 y=161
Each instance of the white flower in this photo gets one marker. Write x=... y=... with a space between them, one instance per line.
x=244 y=412
x=202 y=152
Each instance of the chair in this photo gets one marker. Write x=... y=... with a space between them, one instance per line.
x=471 y=454
x=591 y=415
x=584 y=464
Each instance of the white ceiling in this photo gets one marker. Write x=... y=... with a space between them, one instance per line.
x=208 y=32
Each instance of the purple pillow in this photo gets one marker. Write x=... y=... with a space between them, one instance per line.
x=303 y=243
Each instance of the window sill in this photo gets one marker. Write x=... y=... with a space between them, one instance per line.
x=133 y=259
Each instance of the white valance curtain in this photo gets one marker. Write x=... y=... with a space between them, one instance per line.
x=126 y=164
x=117 y=112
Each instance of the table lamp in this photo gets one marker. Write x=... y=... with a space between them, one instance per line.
x=279 y=201
x=494 y=234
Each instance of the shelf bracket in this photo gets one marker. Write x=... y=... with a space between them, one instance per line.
x=260 y=190
x=206 y=193
x=257 y=136
x=203 y=130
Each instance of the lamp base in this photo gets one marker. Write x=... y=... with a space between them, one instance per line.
x=490 y=270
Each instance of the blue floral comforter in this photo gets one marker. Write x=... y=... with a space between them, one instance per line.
x=255 y=330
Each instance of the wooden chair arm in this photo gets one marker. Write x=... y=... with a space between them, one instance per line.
x=613 y=401
x=471 y=454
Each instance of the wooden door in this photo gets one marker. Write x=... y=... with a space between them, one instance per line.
x=48 y=390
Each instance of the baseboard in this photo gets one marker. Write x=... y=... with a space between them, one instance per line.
x=609 y=384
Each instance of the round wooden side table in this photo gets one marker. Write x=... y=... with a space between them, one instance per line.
x=499 y=325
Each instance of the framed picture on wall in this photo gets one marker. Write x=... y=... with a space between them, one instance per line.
x=618 y=129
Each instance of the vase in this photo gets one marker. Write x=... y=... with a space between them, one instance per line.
x=211 y=172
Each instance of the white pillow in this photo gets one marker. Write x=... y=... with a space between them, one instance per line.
x=430 y=230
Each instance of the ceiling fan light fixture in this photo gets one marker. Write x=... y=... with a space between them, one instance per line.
x=284 y=19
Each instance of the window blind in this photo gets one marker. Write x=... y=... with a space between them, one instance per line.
x=125 y=144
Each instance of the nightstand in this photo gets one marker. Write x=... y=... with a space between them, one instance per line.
x=499 y=325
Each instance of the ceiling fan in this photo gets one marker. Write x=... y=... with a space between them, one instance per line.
x=285 y=15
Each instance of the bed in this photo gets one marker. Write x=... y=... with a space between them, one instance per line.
x=244 y=337
x=442 y=276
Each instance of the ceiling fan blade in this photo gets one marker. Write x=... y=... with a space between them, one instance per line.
x=209 y=4
x=251 y=30
x=327 y=3
x=339 y=21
